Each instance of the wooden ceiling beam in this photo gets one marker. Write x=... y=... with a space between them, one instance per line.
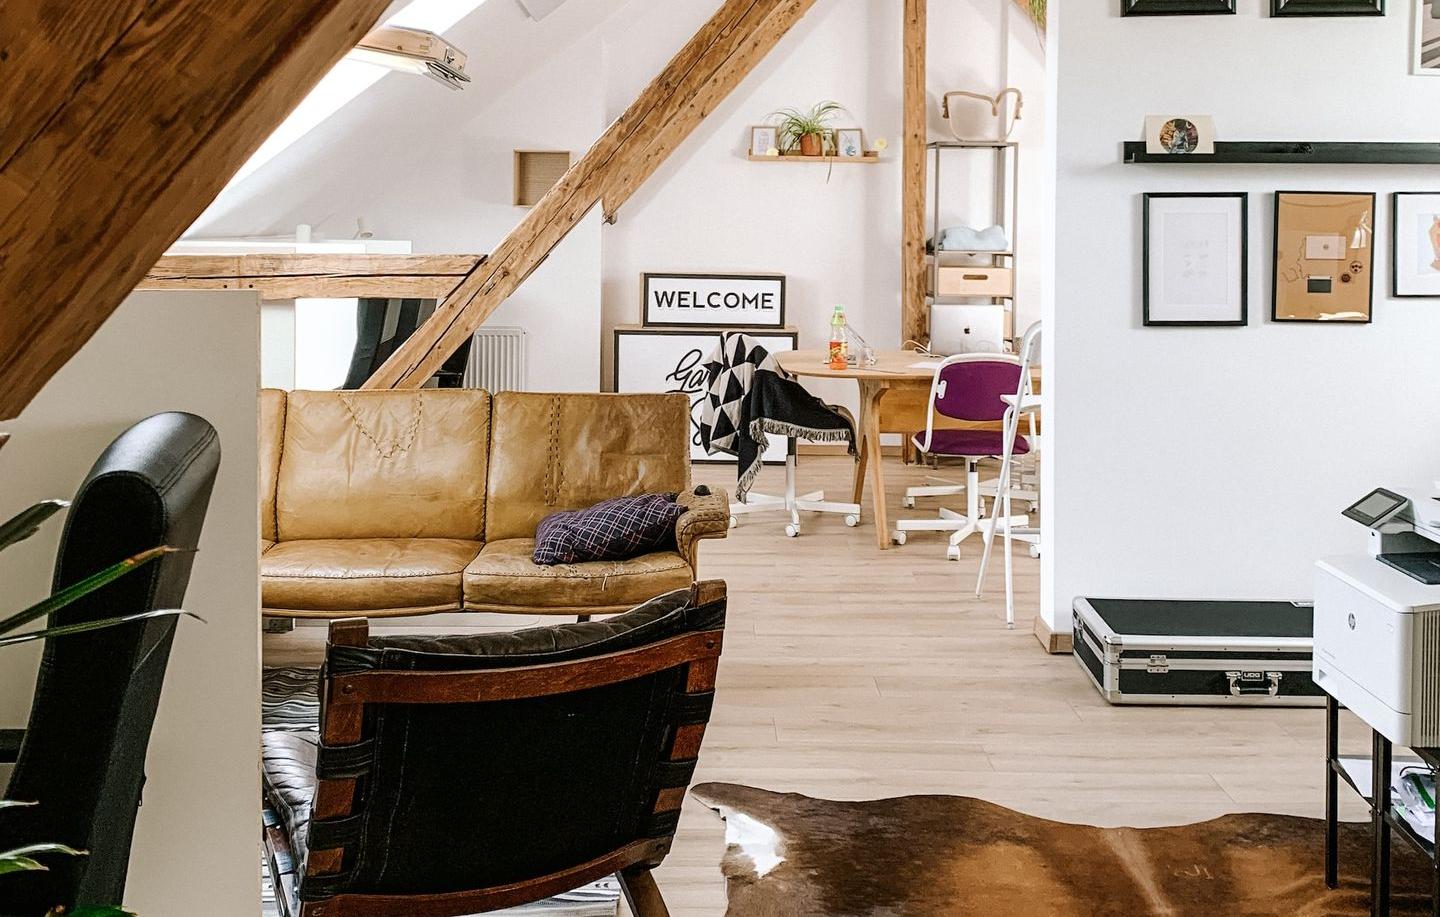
x=914 y=317
x=308 y=276
x=704 y=72
x=124 y=120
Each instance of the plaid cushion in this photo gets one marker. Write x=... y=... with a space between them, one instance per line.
x=613 y=530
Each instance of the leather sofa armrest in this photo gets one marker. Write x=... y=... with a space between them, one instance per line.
x=10 y=740
x=707 y=515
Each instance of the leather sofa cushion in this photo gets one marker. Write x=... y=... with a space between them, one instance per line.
x=389 y=575
x=272 y=433
x=562 y=452
x=505 y=578
x=385 y=464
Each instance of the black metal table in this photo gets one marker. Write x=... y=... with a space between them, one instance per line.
x=1383 y=818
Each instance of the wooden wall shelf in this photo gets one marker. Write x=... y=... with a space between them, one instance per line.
x=869 y=159
x=1291 y=152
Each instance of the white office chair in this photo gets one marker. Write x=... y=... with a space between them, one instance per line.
x=791 y=502
x=1024 y=402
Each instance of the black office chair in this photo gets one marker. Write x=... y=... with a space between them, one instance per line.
x=382 y=325
x=458 y=775
x=82 y=757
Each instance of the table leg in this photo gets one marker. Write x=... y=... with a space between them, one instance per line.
x=871 y=391
x=858 y=490
x=1380 y=790
x=1332 y=792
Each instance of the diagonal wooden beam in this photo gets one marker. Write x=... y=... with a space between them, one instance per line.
x=914 y=317
x=123 y=119
x=705 y=71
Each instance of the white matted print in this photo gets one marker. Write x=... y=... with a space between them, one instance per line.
x=850 y=143
x=1416 y=244
x=1195 y=258
x=715 y=300
x=764 y=139
x=1426 y=56
x=674 y=361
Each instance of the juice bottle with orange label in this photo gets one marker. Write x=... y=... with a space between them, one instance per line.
x=837 y=339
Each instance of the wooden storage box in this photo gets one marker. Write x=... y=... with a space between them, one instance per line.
x=975 y=280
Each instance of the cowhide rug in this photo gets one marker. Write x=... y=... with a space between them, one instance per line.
x=919 y=856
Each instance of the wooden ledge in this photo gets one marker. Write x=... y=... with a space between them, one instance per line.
x=291 y=276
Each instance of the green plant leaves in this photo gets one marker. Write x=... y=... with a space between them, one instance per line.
x=28 y=522
x=91 y=910
x=21 y=859
x=81 y=589
x=98 y=624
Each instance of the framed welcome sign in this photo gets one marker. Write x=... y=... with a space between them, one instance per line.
x=736 y=301
x=673 y=360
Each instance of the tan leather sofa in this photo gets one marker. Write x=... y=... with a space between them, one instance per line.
x=403 y=503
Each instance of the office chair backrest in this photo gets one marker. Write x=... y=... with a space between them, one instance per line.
x=82 y=758
x=970 y=386
x=479 y=771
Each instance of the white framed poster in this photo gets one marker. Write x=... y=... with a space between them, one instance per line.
x=1195 y=259
x=673 y=360
x=1425 y=60
x=1415 y=246
x=737 y=301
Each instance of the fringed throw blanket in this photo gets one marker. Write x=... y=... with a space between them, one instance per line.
x=748 y=396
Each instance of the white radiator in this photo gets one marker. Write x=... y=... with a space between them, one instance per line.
x=497 y=360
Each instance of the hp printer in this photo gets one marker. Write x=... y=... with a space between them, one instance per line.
x=1377 y=618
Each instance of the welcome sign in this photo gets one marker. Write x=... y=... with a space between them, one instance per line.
x=715 y=300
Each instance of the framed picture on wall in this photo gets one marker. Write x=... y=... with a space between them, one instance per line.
x=1196 y=258
x=673 y=360
x=1426 y=58
x=1327 y=7
x=1176 y=7
x=850 y=143
x=763 y=139
x=1415 y=244
x=1324 y=257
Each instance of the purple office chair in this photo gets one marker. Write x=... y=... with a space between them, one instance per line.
x=967 y=387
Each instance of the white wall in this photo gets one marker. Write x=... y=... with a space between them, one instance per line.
x=414 y=162
x=195 y=849
x=835 y=232
x=1214 y=462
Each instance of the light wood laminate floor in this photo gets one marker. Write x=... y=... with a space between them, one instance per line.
x=852 y=673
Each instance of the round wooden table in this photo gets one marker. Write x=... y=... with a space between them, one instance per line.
x=891 y=367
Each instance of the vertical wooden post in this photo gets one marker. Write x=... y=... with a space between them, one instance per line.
x=914 y=318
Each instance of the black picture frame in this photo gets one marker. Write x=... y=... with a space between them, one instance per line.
x=1275 y=263
x=1177 y=7
x=1396 y=241
x=1244 y=318
x=1284 y=8
x=650 y=276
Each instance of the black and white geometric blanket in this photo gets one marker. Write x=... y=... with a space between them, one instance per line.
x=748 y=396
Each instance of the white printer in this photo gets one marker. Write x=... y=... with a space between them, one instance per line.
x=1377 y=618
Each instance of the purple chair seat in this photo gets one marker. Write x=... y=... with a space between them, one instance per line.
x=970 y=443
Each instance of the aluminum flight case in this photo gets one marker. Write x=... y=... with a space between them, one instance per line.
x=1197 y=652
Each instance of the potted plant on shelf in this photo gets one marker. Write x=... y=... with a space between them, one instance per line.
x=13 y=532
x=806 y=130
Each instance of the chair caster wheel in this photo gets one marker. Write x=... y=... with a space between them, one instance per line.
x=792 y=531
x=908 y=503
x=852 y=520
x=898 y=537
x=952 y=552
x=1035 y=550
x=734 y=522
x=1034 y=507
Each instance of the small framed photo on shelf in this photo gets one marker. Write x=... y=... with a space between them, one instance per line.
x=1196 y=256
x=1180 y=134
x=1415 y=244
x=1324 y=257
x=1426 y=58
x=764 y=139
x=849 y=143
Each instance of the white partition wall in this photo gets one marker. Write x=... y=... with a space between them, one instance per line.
x=1214 y=462
x=196 y=840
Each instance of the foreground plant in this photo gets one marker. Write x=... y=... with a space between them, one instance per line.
x=12 y=532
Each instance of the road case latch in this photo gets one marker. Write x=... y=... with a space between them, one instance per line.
x=1158 y=664
x=1250 y=684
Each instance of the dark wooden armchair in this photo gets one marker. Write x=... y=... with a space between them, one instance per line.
x=458 y=775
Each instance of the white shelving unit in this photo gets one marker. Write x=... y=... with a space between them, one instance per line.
x=968 y=277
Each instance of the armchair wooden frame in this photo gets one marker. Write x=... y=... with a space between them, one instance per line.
x=342 y=713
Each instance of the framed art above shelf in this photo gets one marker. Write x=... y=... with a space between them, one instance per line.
x=1292 y=153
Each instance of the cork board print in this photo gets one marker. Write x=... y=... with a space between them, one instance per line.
x=1324 y=256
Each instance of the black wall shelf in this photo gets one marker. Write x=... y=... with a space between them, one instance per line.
x=1293 y=153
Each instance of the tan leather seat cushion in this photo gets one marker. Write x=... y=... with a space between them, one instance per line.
x=385 y=575
x=504 y=578
x=560 y=452
x=384 y=464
